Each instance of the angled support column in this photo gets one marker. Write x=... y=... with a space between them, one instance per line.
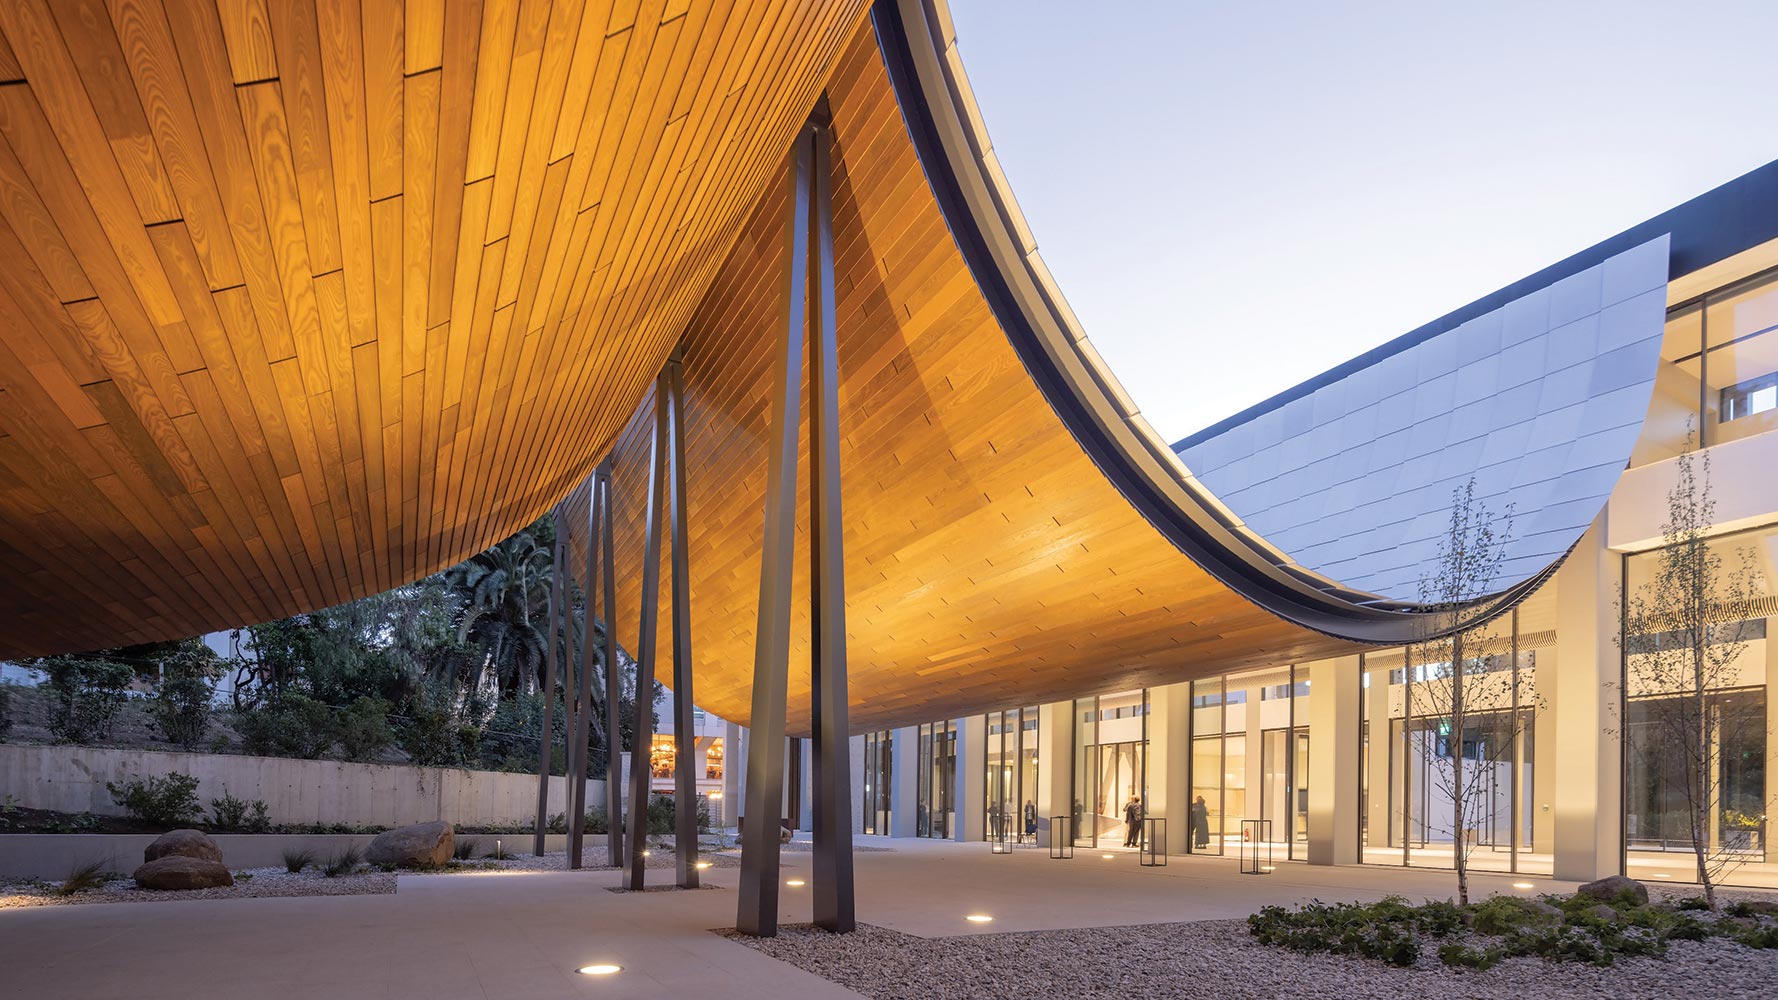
x=583 y=693
x=570 y=690
x=614 y=793
x=757 y=900
x=685 y=740
x=647 y=643
x=545 y=742
x=834 y=907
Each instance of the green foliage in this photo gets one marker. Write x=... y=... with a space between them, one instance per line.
x=239 y=816
x=1383 y=931
x=181 y=710
x=170 y=800
x=344 y=863
x=1507 y=914
x=296 y=859
x=87 y=691
x=363 y=729
x=1694 y=903
x=293 y=725
x=1763 y=936
x=463 y=850
x=434 y=736
x=1464 y=956
x=597 y=821
x=84 y=878
x=5 y=711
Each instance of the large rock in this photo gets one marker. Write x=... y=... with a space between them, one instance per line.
x=179 y=871
x=423 y=845
x=1612 y=887
x=183 y=843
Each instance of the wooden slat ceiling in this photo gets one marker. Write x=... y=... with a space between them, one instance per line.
x=303 y=299
x=988 y=562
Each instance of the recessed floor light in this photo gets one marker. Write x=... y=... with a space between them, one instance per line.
x=1523 y=885
x=1662 y=875
x=647 y=854
x=599 y=970
x=1108 y=857
x=795 y=882
x=1268 y=868
x=979 y=918
x=703 y=864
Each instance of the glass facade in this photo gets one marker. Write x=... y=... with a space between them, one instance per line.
x=936 y=788
x=1258 y=717
x=1110 y=766
x=879 y=782
x=1009 y=788
x=1726 y=721
x=1416 y=766
x=1718 y=377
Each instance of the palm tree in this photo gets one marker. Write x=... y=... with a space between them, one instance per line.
x=505 y=590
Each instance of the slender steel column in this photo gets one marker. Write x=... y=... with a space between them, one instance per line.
x=570 y=690
x=545 y=740
x=646 y=644
x=757 y=900
x=614 y=794
x=832 y=821
x=583 y=695
x=685 y=739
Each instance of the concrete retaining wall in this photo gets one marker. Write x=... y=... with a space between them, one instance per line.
x=72 y=779
x=52 y=856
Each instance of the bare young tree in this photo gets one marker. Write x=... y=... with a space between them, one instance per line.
x=1463 y=674
x=1686 y=629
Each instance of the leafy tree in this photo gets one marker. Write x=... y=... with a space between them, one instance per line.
x=181 y=706
x=5 y=710
x=1686 y=629
x=1463 y=673
x=363 y=729
x=87 y=690
x=505 y=593
x=292 y=725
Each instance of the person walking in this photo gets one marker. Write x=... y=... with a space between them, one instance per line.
x=1133 y=821
x=1201 y=823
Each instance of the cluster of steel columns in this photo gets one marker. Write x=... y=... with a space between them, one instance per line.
x=811 y=215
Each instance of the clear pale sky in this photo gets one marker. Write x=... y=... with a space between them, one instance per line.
x=1236 y=197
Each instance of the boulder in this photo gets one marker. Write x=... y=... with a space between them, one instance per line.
x=183 y=843
x=1603 y=913
x=1760 y=907
x=1612 y=887
x=179 y=871
x=422 y=845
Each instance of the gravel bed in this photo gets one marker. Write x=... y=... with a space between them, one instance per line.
x=265 y=882
x=1219 y=959
x=804 y=847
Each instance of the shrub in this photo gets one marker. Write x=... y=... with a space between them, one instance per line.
x=84 y=878
x=1466 y=957
x=1506 y=914
x=1694 y=903
x=464 y=850
x=181 y=709
x=597 y=821
x=344 y=863
x=432 y=736
x=297 y=858
x=232 y=814
x=1765 y=936
x=292 y=725
x=363 y=729
x=86 y=694
x=1383 y=931
x=171 y=800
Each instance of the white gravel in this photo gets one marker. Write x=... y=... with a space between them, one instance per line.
x=1219 y=959
x=265 y=882
x=558 y=862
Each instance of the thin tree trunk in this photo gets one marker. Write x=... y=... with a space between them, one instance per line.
x=1460 y=852
x=1701 y=781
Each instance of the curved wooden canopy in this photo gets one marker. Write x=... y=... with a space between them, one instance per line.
x=989 y=561
x=303 y=299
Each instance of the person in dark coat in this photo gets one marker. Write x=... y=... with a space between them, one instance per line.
x=1201 y=822
x=1133 y=821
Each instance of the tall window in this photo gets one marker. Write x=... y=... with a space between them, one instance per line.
x=1110 y=765
x=879 y=781
x=1735 y=725
x=1009 y=791
x=935 y=798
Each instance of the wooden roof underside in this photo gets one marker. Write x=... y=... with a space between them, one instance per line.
x=304 y=299
x=988 y=561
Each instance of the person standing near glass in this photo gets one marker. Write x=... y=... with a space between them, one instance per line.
x=1201 y=823
x=1133 y=821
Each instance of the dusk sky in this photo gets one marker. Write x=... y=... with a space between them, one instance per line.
x=1237 y=197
